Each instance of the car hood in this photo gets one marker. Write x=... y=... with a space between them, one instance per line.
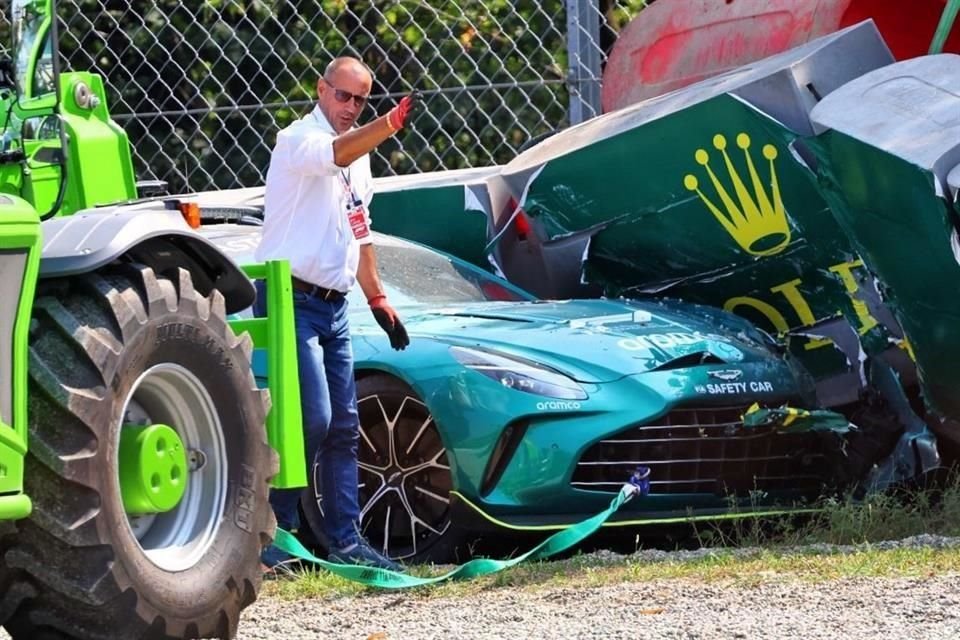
x=595 y=340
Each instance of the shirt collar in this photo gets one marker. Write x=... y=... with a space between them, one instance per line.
x=321 y=120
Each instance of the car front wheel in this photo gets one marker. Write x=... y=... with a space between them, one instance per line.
x=404 y=479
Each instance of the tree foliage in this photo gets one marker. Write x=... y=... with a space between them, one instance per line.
x=203 y=87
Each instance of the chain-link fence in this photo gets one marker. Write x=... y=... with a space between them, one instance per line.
x=203 y=87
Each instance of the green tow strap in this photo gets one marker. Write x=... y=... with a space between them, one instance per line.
x=385 y=579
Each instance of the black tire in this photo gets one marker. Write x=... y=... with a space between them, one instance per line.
x=414 y=483
x=107 y=349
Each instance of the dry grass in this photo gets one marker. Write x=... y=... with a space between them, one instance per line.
x=747 y=550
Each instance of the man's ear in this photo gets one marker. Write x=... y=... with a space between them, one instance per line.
x=320 y=87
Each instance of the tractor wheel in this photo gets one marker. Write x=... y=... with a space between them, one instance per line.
x=404 y=478
x=138 y=389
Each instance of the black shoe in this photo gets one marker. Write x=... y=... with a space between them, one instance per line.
x=363 y=554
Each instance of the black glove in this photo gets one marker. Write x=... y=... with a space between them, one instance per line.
x=389 y=321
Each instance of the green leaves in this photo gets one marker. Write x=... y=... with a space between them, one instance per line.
x=493 y=74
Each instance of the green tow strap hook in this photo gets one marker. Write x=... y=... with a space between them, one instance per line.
x=639 y=484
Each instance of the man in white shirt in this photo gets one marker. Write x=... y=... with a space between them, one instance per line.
x=318 y=191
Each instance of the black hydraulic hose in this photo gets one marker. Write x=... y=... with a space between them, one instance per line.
x=55 y=60
x=62 y=190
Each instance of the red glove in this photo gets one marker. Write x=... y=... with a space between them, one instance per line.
x=398 y=116
x=389 y=321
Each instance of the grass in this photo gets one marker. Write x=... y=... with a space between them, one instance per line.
x=745 y=551
x=845 y=521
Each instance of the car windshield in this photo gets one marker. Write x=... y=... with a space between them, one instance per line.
x=412 y=274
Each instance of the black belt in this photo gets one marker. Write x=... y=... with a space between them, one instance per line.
x=323 y=293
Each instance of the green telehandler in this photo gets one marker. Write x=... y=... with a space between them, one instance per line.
x=136 y=449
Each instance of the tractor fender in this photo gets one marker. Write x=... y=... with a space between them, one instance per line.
x=157 y=238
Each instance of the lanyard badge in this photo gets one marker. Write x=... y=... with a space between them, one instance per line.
x=356 y=215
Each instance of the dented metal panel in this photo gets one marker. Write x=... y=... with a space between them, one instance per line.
x=884 y=167
x=447 y=210
x=910 y=109
x=677 y=42
x=705 y=194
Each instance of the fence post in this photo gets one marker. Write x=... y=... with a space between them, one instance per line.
x=583 y=53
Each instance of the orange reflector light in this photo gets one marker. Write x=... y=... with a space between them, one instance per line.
x=522 y=224
x=191 y=213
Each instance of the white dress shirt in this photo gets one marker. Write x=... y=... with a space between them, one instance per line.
x=306 y=203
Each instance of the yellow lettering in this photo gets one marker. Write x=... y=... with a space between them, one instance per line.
x=774 y=316
x=845 y=271
x=791 y=292
x=906 y=346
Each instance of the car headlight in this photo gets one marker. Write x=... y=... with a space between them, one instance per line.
x=519 y=374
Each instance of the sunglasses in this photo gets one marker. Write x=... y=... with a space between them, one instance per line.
x=346 y=96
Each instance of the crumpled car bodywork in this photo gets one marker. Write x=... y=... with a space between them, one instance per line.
x=888 y=163
x=424 y=205
x=696 y=195
x=729 y=193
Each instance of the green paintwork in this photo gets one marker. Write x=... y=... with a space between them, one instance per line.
x=41 y=182
x=888 y=164
x=101 y=167
x=612 y=348
x=275 y=335
x=890 y=209
x=447 y=210
x=153 y=468
x=98 y=164
x=605 y=347
x=19 y=230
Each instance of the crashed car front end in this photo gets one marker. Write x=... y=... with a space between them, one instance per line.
x=540 y=437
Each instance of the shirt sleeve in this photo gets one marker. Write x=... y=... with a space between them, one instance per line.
x=308 y=151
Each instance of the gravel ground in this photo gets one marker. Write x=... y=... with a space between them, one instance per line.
x=774 y=607
x=771 y=606
x=682 y=609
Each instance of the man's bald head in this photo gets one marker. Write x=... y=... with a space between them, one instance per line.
x=342 y=91
x=347 y=64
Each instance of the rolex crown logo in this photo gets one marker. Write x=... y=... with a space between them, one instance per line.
x=756 y=220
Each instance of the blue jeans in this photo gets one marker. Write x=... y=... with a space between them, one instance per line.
x=331 y=425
